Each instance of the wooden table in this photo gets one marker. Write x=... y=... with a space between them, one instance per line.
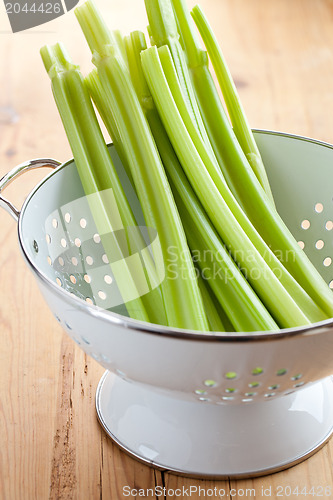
x=281 y=55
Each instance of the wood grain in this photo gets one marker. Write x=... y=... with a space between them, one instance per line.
x=51 y=446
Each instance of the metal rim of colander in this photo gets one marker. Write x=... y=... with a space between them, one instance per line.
x=150 y=328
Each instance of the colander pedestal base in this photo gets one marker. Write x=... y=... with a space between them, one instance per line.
x=208 y=440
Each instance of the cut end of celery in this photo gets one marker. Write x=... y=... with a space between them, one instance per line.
x=56 y=55
x=93 y=26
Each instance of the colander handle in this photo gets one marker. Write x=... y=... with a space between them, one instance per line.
x=16 y=172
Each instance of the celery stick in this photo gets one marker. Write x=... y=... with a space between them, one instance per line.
x=214 y=317
x=97 y=93
x=245 y=185
x=152 y=302
x=163 y=31
x=268 y=288
x=182 y=299
x=234 y=293
x=229 y=285
x=235 y=108
x=307 y=304
x=119 y=39
x=93 y=162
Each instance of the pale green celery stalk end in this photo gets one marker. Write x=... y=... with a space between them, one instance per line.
x=162 y=23
x=164 y=29
x=236 y=111
x=56 y=59
x=119 y=40
x=93 y=26
x=190 y=40
x=135 y=44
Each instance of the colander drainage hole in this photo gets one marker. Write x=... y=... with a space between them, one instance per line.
x=257 y=370
x=281 y=372
x=83 y=223
x=331 y=284
x=301 y=244
x=68 y=217
x=327 y=261
x=252 y=385
x=105 y=259
x=319 y=244
x=269 y=394
x=329 y=225
x=200 y=392
x=54 y=223
x=297 y=376
x=305 y=224
x=97 y=238
x=210 y=383
x=230 y=375
x=273 y=387
x=319 y=207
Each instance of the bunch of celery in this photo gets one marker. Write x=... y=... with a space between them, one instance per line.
x=200 y=179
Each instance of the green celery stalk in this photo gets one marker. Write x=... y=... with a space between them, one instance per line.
x=163 y=31
x=93 y=162
x=242 y=306
x=216 y=320
x=303 y=300
x=97 y=93
x=119 y=39
x=269 y=289
x=243 y=182
x=237 y=115
x=233 y=291
x=181 y=295
x=153 y=302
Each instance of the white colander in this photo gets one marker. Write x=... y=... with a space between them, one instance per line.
x=201 y=404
